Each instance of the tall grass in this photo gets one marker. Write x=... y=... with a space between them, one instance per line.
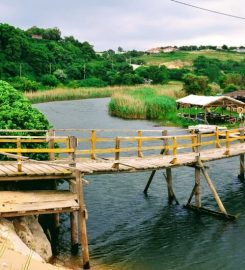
x=144 y=103
x=91 y=92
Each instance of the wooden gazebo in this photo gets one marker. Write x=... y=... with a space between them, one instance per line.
x=207 y=102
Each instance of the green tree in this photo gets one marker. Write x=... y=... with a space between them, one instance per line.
x=196 y=84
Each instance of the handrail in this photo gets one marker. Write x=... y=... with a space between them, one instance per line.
x=138 y=143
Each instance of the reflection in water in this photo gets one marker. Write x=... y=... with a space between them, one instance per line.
x=130 y=231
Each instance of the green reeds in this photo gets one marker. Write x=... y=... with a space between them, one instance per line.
x=144 y=103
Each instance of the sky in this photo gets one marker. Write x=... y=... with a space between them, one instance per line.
x=132 y=24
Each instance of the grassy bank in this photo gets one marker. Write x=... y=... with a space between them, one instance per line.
x=59 y=94
x=147 y=103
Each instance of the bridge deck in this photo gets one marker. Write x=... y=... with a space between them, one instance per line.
x=32 y=171
x=133 y=164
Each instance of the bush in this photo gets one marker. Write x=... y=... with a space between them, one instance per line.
x=24 y=84
x=49 y=80
x=17 y=113
x=92 y=82
x=230 y=88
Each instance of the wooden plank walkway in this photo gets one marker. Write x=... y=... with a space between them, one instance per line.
x=156 y=162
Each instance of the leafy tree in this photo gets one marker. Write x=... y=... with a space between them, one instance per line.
x=196 y=84
x=60 y=75
x=17 y=112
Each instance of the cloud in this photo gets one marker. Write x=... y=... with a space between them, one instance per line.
x=131 y=24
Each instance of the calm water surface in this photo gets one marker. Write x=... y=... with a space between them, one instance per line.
x=127 y=230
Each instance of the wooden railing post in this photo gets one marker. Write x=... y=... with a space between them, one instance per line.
x=72 y=145
x=117 y=153
x=19 y=161
x=93 y=143
x=193 y=140
x=51 y=135
x=175 y=147
x=227 y=142
x=140 y=154
x=165 y=143
x=217 y=143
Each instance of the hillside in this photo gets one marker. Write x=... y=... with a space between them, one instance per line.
x=181 y=59
x=40 y=58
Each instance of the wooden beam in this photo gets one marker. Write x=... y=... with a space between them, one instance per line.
x=203 y=210
x=149 y=181
x=212 y=188
x=82 y=221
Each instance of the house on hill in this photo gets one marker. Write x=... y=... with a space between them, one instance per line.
x=167 y=49
x=34 y=36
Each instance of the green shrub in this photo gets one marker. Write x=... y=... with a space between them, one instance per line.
x=49 y=80
x=24 y=84
x=17 y=113
x=92 y=82
x=230 y=88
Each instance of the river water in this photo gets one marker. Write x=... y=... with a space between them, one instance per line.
x=128 y=230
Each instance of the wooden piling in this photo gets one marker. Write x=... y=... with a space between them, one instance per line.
x=74 y=232
x=149 y=181
x=82 y=221
x=171 y=195
x=241 y=175
x=197 y=186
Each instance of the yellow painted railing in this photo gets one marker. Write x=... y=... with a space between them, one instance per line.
x=93 y=144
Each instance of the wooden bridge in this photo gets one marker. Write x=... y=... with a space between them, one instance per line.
x=101 y=152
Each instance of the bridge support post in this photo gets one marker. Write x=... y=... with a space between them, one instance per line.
x=74 y=232
x=82 y=221
x=198 y=202
x=171 y=195
x=149 y=182
x=242 y=169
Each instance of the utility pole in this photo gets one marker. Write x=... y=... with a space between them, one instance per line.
x=84 y=71
x=20 y=70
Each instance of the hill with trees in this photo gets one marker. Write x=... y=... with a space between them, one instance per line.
x=40 y=58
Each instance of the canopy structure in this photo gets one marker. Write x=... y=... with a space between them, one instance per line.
x=209 y=101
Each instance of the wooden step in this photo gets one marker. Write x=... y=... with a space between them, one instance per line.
x=21 y=203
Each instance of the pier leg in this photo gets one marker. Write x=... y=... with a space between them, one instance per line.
x=149 y=181
x=74 y=232
x=197 y=187
x=212 y=188
x=82 y=222
x=241 y=175
x=171 y=195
